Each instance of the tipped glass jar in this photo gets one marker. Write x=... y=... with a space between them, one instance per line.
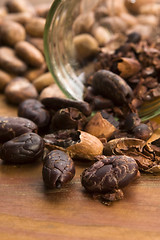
x=79 y=30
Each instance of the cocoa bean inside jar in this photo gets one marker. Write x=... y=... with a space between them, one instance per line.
x=106 y=51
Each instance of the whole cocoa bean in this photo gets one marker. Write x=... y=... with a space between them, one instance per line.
x=52 y=91
x=56 y=103
x=25 y=148
x=34 y=73
x=20 y=89
x=111 y=86
x=37 y=42
x=58 y=169
x=20 y=6
x=5 y=78
x=34 y=110
x=109 y=174
x=30 y=54
x=83 y=23
x=35 y=27
x=10 y=62
x=11 y=32
x=11 y=127
x=42 y=9
x=43 y=81
x=85 y=45
x=21 y=18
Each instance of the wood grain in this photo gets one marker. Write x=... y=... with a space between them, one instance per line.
x=29 y=212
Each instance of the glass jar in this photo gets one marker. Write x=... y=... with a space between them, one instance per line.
x=102 y=25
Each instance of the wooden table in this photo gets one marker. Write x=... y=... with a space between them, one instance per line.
x=29 y=212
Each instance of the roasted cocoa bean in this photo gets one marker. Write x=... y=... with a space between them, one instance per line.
x=25 y=148
x=34 y=110
x=132 y=120
x=58 y=169
x=11 y=127
x=72 y=118
x=111 y=86
x=142 y=131
x=109 y=174
x=56 y=103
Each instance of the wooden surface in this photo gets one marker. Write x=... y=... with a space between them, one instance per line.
x=29 y=212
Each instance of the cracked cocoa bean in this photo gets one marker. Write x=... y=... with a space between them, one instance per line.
x=72 y=118
x=25 y=148
x=80 y=145
x=11 y=127
x=35 y=111
x=58 y=169
x=109 y=174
